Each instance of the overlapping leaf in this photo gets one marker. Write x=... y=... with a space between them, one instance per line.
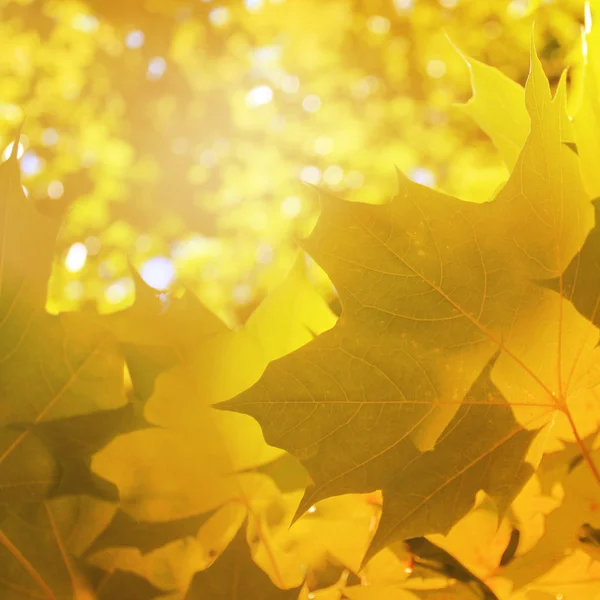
x=51 y=369
x=498 y=107
x=235 y=575
x=195 y=443
x=431 y=287
x=194 y=459
x=39 y=543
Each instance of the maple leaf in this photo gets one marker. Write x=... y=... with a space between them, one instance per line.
x=195 y=442
x=235 y=575
x=121 y=585
x=40 y=543
x=193 y=459
x=125 y=531
x=580 y=283
x=586 y=119
x=431 y=288
x=565 y=527
x=52 y=368
x=498 y=108
x=492 y=460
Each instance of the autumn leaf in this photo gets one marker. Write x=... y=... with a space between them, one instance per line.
x=234 y=574
x=125 y=531
x=437 y=441
x=580 y=283
x=586 y=120
x=431 y=288
x=417 y=498
x=51 y=368
x=498 y=107
x=565 y=527
x=218 y=451
x=40 y=543
x=121 y=585
x=192 y=459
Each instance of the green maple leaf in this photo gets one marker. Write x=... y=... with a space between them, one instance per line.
x=235 y=575
x=431 y=288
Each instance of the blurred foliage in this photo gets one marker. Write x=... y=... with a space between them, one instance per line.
x=184 y=130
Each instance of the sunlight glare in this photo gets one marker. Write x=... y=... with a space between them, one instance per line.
x=76 y=257
x=259 y=96
x=8 y=150
x=588 y=18
x=158 y=272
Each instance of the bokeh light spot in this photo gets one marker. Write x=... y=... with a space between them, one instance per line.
x=291 y=207
x=118 y=291
x=157 y=67
x=31 y=164
x=436 y=68
x=290 y=84
x=241 y=293
x=259 y=96
x=135 y=39
x=158 y=272
x=333 y=175
x=56 y=189
x=378 y=25
x=423 y=176
x=517 y=9
x=403 y=6
x=76 y=257
x=85 y=23
x=50 y=137
x=208 y=159
x=310 y=174
x=219 y=16
x=253 y=5
x=323 y=145
x=11 y=112
x=312 y=103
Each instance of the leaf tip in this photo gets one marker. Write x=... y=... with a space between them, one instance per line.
x=15 y=147
x=401 y=180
